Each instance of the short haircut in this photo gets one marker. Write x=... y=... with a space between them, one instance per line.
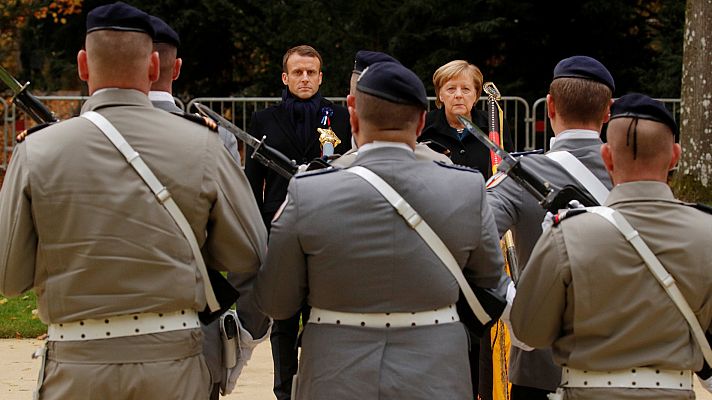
x=580 y=100
x=167 y=53
x=646 y=142
x=384 y=114
x=119 y=53
x=304 y=51
x=454 y=69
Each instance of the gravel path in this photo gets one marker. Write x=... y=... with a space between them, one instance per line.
x=18 y=372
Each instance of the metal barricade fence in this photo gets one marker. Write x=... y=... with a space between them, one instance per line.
x=239 y=110
x=15 y=121
x=529 y=127
x=541 y=132
x=516 y=113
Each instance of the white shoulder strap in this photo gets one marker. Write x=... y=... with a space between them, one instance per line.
x=161 y=193
x=429 y=236
x=582 y=174
x=660 y=273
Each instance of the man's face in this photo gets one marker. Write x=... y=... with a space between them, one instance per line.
x=303 y=76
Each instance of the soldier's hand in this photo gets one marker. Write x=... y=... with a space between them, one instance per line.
x=244 y=350
x=548 y=221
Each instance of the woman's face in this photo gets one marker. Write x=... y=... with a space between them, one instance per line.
x=458 y=95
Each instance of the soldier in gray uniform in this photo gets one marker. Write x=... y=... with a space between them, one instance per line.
x=166 y=43
x=586 y=291
x=116 y=279
x=383 y=323
x=578 y=104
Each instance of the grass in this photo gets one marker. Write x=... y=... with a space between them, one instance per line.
x=18 y=317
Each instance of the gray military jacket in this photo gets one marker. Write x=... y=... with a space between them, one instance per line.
x=517 y=210
x=80 y=226
x=339 y=245
x=597 y=302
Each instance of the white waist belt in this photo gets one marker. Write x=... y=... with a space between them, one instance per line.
x=627 y=378
x=443 y=315
x=123 y=325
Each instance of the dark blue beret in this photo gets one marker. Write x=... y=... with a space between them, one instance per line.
x=364 y=58
x=636 y=105
x=393 y=82
x=586 y=68
x=164 y=33
x=119 y=17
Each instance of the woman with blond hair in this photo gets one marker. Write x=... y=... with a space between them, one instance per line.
x=458 y=85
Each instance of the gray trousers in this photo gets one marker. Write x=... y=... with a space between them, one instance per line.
x=157 y=366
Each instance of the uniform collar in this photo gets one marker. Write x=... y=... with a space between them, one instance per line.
x=574 y=134
x=383 y=151
x=640 y=191
x=576 y=140
x=116 y=97
x=157 y=95
x=377 y=143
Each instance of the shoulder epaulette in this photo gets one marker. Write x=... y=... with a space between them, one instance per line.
x=495 y=180
x=22 y=135
x=456 y=166
x=204 y=121
x=562 y=215
x=437 y=147
x=316 y=172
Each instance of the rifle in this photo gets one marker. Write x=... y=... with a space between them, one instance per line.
x=263 y=153
x=27 y=102
x=551 y=197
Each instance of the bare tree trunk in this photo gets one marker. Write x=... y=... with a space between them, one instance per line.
x=693 y=181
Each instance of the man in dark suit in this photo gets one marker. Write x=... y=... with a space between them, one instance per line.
x=291 y=127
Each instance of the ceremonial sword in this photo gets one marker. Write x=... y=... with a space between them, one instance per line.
x=495 y=129
x=267 y=155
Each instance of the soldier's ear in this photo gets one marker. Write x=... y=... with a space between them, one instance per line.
x=176 y=68
x=353 y=114
x=550 y=106
x=676 y=152
x=421 y=124
x=82 y=65
x=154 y=67
x=607 y=112
x=607 y=157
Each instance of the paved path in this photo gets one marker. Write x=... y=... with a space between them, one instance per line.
x=18 y=373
